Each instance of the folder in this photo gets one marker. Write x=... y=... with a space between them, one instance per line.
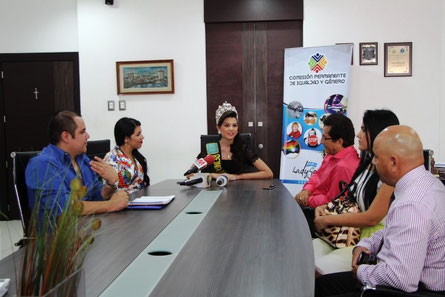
x=150 y=202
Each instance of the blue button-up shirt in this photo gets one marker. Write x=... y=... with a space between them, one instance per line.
x=49 y=175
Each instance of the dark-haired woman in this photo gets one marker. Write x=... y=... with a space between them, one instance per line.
x=234 y=158
x=372 y=196
x=125 y=158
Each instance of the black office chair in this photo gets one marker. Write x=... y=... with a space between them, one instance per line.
x=428 y=159
x=246 y=137
x=98 y=148
x=380 y=291
x=19 y=162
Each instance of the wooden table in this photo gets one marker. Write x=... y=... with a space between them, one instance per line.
x=253 y=242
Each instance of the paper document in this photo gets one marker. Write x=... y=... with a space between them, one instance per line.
x=152 y=200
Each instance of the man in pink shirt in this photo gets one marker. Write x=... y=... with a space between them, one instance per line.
x=340 y=163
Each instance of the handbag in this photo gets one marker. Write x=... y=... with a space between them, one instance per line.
x=344 y=202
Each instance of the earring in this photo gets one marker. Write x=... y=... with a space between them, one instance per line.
x=219 y=132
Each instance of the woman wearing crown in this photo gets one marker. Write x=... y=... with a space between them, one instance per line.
x=233 y=157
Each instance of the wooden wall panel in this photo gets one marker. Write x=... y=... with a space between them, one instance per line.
x=216 y=11
x=224 y=69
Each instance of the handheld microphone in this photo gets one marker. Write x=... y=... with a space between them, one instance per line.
x=222 y=180
x=200 y=180
x=190 y=182
x=200 y=164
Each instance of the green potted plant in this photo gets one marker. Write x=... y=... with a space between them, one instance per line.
x=56 y=248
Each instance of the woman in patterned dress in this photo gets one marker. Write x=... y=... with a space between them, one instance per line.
x=372 y=196
x=125 y=158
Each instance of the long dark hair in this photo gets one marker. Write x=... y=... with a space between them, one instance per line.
x=125 y=128
x=374 y=121
x=238 y=146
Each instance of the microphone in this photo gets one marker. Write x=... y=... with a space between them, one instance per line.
x=190 y=182
x=200 y=164
x=222 y=180
x=200 y=180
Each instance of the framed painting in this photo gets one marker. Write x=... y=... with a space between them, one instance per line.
x=145 y=77
x=369 y=53
x=398 y=59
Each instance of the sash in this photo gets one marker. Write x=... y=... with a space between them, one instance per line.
x=212 y=148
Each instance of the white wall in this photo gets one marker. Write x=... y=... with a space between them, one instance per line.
x=146 y=30
x=38 y=26
x=417 y=100
x=174 y=29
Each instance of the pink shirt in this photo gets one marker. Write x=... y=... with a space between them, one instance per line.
x=323 y=184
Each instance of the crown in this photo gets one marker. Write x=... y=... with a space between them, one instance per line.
x=225 y=107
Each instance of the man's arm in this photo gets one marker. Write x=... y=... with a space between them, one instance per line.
x=404 y=249
x=338 y=174
x=118 y=201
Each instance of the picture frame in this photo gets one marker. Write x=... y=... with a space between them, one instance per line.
x=352 y=54
x=398 y=59
x=369 y=53
x=145 y=77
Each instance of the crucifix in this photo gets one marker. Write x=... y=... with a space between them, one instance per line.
x=36 y=93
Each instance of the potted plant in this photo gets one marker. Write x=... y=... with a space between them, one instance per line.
x=56 y=248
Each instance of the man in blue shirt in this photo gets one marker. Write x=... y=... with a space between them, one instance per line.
x=49 y=174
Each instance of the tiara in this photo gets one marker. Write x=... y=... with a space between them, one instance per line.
x=225 y=107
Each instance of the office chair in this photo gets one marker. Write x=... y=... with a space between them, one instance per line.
x=19 y=162
x=98 y=148
x=246 y=137
x=428 y=159
x=392 y=292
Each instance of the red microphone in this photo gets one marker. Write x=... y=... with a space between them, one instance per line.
x=200 y=164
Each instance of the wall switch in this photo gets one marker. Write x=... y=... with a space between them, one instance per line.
x=110 y=105
x=122 y=105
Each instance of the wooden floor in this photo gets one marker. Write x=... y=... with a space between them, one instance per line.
x=10 y=233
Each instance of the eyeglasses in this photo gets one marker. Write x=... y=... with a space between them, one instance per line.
x=326 y=138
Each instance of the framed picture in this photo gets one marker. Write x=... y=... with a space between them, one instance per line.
x=145 y=77
x=398 y=59
x=352 y=54
x=369 y=53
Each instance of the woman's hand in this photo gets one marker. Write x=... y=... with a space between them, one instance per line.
x=320 y=222
x=321 y=210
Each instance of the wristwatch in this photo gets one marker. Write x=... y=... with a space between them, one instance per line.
x=113 y=185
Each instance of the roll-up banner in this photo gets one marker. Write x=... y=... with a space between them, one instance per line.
x=316 y=84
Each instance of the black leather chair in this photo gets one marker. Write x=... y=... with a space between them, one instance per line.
x=428 y=159
x=19 y=162
x=246 y=137
x=98 y=148
x=380 y=291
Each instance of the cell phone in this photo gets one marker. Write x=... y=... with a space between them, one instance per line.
x=270 y=187
x=364 y=258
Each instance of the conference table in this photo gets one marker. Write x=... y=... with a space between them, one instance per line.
x=253 y=240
